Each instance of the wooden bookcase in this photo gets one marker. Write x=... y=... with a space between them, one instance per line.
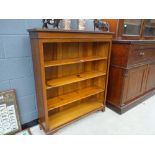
x=71 y=74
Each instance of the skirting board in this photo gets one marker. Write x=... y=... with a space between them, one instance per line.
x=30 y=124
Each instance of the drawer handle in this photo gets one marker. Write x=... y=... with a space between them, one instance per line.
x=141 y=53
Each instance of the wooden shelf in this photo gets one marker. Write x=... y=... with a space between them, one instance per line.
x=72 y=79
x=73 y=61
x=73 y=113
x=65 y=99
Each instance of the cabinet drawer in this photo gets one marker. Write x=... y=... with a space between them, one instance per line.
x=150 y=54
x=141 y=54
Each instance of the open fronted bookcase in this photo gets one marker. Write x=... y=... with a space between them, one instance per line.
x=71 y=74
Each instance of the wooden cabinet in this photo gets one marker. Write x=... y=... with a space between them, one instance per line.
x=151 y=77
x=132 y=73
x=71 y=74
x=133 y=29
x=132 y=63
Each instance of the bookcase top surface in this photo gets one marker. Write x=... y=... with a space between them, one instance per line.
x=68 y=31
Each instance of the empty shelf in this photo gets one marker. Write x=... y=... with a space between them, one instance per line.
x=68 y=98
x=73 y=78
x=73 y=61
x=68 y=115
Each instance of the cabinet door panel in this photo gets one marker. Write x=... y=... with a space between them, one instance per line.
x=151 y=77
x=149 y=27
x=135 y=82
x=132 y=26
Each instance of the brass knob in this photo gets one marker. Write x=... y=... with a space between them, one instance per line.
x=141 y=53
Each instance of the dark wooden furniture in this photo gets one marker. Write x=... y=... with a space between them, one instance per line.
x=71 y=74
x=132 y=29
x=132 y=67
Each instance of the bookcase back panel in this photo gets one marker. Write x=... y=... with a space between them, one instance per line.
x=70 y=50
x=75 y=69
x=53 y=92
x=51 y=73
x=51 y=112
x=50 y=51
x=61 y=51
x=95 y=98
x=100 y=66
x=101 y=49
x=99 y=82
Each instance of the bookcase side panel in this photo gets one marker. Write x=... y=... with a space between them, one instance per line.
x=39 y=82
